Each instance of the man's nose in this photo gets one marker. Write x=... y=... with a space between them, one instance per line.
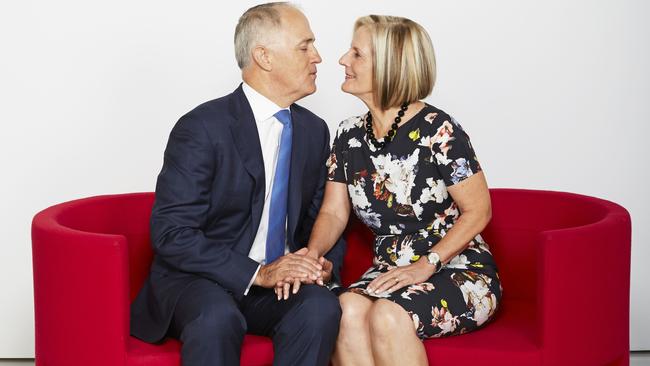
x=317 y=59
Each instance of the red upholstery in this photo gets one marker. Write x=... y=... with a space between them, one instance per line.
x=562 y=304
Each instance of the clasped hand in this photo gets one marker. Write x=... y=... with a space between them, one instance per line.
x=301 y=267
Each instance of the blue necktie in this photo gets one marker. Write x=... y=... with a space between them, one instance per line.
x=276 y=236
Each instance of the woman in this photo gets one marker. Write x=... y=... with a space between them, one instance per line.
x=409 y=172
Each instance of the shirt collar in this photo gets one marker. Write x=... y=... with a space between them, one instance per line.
x=262 y=107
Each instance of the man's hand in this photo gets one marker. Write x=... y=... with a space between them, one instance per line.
x=283 y=287
x=293 y=265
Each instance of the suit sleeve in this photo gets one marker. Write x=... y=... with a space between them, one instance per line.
x=335 y=255
x=180 y=212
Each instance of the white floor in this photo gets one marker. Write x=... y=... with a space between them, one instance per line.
x=636 y=359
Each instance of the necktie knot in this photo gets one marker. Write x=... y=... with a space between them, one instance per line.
x=284 y=116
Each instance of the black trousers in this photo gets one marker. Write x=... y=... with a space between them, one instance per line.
x=212 y=324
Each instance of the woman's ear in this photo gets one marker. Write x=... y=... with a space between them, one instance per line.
x=262 y=58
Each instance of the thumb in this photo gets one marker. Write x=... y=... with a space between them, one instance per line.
x=302 y=251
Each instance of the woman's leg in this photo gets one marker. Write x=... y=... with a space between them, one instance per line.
x=393 y=337
x=353 y=344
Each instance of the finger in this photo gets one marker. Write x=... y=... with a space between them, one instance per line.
x=296 y=286
x=378 y=284
x=292 y=274
x=307 y=281
x=278 y=292
x=286 y=289
x=302 y=251
x=374 y=284
x=306 y=260
x=388 y=283
x=305 y=267
x=305 y=263
x=397 y=286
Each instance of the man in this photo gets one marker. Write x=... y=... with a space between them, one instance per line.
x=241 y=185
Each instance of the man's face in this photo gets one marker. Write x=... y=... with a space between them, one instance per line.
x=294 y=56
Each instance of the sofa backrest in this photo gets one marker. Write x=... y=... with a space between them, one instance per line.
x=518 y=216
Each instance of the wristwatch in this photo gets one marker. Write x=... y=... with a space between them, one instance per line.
x=434 y=258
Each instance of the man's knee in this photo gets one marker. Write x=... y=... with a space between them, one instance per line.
x=216 y=321
x=318 y=308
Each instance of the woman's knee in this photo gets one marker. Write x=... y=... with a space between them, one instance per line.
x=354 y=309
x=386 y=317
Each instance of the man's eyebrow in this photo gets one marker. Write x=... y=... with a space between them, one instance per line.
x=308 y=40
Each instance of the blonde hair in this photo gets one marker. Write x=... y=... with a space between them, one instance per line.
x=404 y=64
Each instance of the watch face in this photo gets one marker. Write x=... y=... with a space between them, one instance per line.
x=433 y=258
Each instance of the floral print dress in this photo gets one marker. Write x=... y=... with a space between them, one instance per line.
x=400 y=193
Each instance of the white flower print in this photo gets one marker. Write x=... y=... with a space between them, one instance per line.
x=462 y=170
x=358 y=195
x=441 y=219
x=419 y=327
x=370 y=218
x=479 y=245
x=423 y=287
x=442 y=318
x=437 y=191
x=477 y=295
x=397 y=175
x=349 y=123
x=442 y=137
x=394 y=229
x=353 y=142
x=331 y=164
x=405 y=253
x=458 y=262
x=430 y=117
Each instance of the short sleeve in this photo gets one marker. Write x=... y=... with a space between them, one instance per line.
x=336 y=161
x=453 y=153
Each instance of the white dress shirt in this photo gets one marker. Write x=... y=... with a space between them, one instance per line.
x=269 y=130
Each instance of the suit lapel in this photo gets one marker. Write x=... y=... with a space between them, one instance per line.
x=247 y=142
x=298 y=159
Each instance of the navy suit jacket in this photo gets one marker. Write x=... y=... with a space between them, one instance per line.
x=209 y=200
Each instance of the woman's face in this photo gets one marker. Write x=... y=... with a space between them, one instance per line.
x=358 y=65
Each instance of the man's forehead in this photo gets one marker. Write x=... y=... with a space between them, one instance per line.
x=298 y=29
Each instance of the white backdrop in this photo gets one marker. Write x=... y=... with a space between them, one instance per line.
x=554 y=94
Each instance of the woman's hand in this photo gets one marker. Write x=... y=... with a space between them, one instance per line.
x=283 y=288
x=399 y=277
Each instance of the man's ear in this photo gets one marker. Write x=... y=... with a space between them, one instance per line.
x=262 y=58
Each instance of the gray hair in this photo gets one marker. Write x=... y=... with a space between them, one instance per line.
x=253 y=26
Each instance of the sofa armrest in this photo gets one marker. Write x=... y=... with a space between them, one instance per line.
x=80 y=295
x=584 y=288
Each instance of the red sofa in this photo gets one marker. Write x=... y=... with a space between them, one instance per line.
x=564 y=261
